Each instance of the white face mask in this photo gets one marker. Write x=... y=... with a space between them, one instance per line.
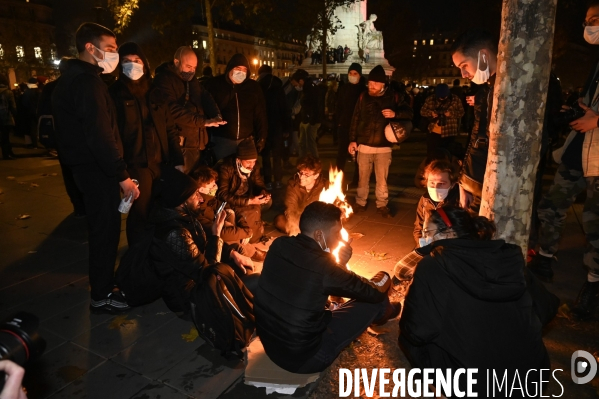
x=438 y=194
x=243 y=169
x=326 y=248
x=424 y=241
x=481 y=77
x=238 y=77
x=110 y=61
x=133 y=70
x=353 y=79
x=591 y=34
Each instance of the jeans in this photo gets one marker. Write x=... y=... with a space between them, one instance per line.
x=307 y=139
x=381 y=163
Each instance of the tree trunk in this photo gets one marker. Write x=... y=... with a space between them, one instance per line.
x=211 y=46
x=516 y=121
x=324 y=57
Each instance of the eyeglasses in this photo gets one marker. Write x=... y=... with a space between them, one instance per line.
x=302 y=174
x=594 y=21
x=425 y=232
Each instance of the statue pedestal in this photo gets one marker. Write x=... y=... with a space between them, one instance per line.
x=377 y=57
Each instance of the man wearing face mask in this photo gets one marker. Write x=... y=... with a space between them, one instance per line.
x=90 y=145
x=374 y=110
x=475 y=53
x=193 y=109
x=578 y=170
x=150 y=139
x=243 y=106
x=311 y=112
x=298 y=332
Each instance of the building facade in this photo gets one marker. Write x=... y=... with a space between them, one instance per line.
x=431 y=59
x=27 y=40
x=283 y=57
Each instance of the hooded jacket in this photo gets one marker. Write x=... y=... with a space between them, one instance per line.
x=189 y=103
x=86 y=123
x=347 y=97
x=468 y=307
x=242 y=105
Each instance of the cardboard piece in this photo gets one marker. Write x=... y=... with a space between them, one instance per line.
x=262 y=372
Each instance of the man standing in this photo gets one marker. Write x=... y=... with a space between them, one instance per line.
x=475 y=53
x=374 y=111
x=89 y=143
x=192 y=107
x=242 y=104
x=444 y=111
x=311 y=112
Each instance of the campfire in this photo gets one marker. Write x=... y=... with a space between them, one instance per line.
x=334 y=195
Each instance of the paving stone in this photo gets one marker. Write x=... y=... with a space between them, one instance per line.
x=74 y=321
x=158 y=391
x=241 y=391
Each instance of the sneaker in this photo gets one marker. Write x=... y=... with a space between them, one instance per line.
x=114 y=303
x=586 y=306
x=384 y=211
x=540 y=265
x=359 y=208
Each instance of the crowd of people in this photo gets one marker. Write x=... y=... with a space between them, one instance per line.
x=184 y=153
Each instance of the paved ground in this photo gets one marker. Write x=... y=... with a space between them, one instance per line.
x=150 y=353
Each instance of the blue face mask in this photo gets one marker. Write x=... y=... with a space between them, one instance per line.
x=424 y=241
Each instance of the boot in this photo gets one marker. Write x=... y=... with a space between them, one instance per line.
x=586 y=306
x=540 y=265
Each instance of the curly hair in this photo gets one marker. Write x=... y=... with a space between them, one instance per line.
x=204 y=175
x=309 y=162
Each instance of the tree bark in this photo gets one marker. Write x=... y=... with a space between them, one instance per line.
x=211 y=46
x=323 y=53
x=516 y=120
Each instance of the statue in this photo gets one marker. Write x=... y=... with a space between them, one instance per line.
x=368 y=36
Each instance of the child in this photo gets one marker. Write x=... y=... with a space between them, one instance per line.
x=441 y=190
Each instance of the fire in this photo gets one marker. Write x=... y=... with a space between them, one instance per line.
x=334 y=195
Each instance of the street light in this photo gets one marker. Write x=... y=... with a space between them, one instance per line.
x=255 y=62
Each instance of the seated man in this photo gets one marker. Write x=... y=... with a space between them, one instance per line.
x=181 y=248
x=441 y=189
x=303 y=189
x=235 y=230
x=242 y=187
x=298 y=333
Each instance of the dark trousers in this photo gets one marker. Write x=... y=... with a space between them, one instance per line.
x=434 y=141
x=191 y=159
x=348 y=322
x=101 y=196
x=342 y=153
x=252 y=214
x=5 y=140
x=73 y=191
x=274 y=149
x=140 y=209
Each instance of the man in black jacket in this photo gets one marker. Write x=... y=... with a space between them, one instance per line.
x=475 y=53
x=278 y=124
x=311 y=112
x=242 y=104
x=150 y=139
x=298 y=333
x=192 y=108
x=90 y=144
x=374 y=111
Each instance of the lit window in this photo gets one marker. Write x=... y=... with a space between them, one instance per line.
x=415 y=42
x=413 y=55
x=446 y=41
x=53 y=52
x=414 y=48
x=1 y=52
x=38 y=53
x=424 y=42
x=204 y=44
x=432 y=42
x=434 y=81
x=20 y=53
x=196 y=44
x=442 y=80
x=430 y=56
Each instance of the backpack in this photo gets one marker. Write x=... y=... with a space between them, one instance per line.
x=222 y=309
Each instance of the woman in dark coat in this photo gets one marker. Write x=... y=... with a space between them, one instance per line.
x=469 y=305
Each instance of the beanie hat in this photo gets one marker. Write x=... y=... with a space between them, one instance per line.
x=355 y=67
x=131 y=48
x=442 y=90
x=377 y=75
x=177 y=187
x=247 y=150
x=237 y=60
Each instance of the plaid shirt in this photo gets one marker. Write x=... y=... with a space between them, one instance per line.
x=455 y=108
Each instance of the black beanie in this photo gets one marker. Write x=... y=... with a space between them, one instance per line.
x=377 y=75
x=131 y=48
x=176 y=188
x=355 y=67
x=247 y=150
x=237 y=60
x=442 y=90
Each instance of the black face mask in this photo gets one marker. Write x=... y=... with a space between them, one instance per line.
x=187 y=76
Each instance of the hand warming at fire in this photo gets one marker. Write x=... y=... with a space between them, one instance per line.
x=343 y=252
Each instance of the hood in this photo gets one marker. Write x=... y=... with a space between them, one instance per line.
x=167 y=67
x=131 y=48
x=237 y=60
x=488 y=270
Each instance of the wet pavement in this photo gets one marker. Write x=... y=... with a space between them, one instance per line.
x=149 y=352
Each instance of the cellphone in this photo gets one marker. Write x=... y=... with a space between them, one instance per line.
x=221 y=207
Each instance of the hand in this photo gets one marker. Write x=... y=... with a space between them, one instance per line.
x=588 y=122
x=214 y=122
x=345 y=253
x=218 y=224
x=435 y=115
x=465 y=198
x=353 y=147
x=260 y=145
x=180 y=168
x=14 y=377
x=246 y=241
x=128 y=188
x=470 y=101
x=244 y=263
x=447 y=113
x=389 y=113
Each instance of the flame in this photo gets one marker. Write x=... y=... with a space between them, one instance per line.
x=345 y=237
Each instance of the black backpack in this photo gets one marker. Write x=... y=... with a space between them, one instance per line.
x=222 y=309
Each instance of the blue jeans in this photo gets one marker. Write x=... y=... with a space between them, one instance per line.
x=381 y=163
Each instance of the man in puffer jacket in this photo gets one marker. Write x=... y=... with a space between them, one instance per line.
x=374 y=111
x=242 y=104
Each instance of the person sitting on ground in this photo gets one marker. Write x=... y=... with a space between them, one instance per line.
x=303 y=188
x=181 y=248
x=242 y=187
x=235 y=230
x=468 y=305
x=441 y=189
x=298 y=333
